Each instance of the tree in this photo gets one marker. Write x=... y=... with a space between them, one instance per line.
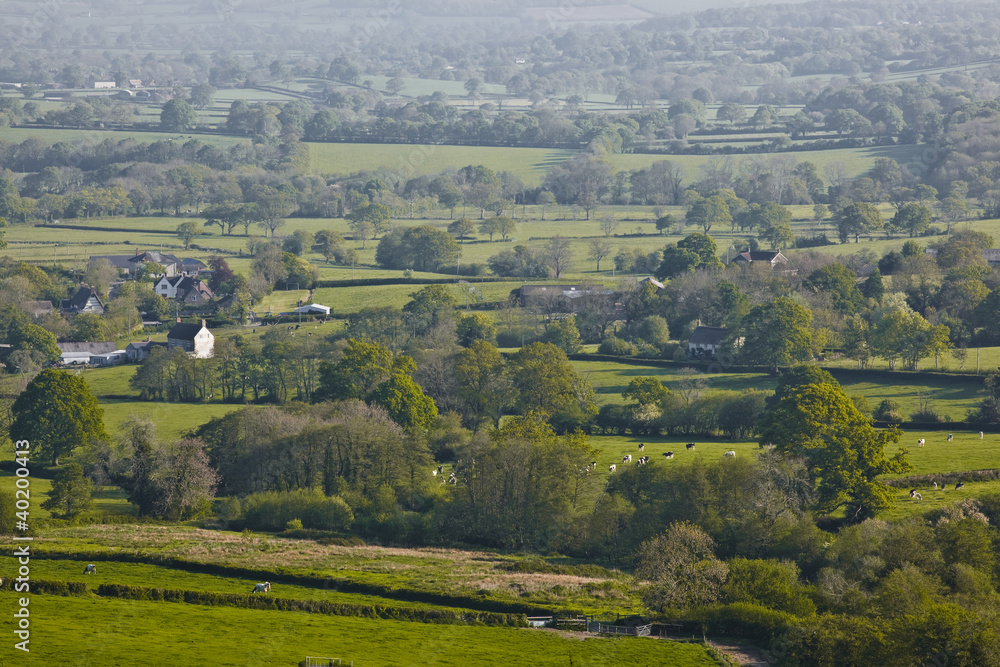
x=376 y=215
x=599 y=249
x=430 y=307
x=405 y=402
x=679 y=569
x=475 y=327
x=856 y=219
x=178 y=116
x=474 y=88
x=777 y=333
x=732 y=112
x=202 y=95
x=840 y=283
x=56 y=413
x=423 y=248
x=558 y=254
x=845 y=455
x=677 y=261
x=708 y=210
x=462 y=229
x=913 y=217
x=187 y=231
x=71 y=492
x=300 y=241
x=484 y=386
x=563 y=334
x=665 y=222
x=545 y=198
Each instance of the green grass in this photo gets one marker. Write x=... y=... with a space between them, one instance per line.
x=114 y=632
x=173 y=420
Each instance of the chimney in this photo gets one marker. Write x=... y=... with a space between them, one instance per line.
x=203 y=324
x=136 y=252
x=699 y=323
x=178 y=319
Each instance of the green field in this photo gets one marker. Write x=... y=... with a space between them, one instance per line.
x=114 y=633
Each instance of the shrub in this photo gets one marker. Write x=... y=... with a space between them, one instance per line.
x=294 y=524
x=617 y=347
x=926 y=414
x=888 y=411
x=272 y=511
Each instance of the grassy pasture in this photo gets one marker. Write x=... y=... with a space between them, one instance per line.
x=948 y=395
x=115 y=632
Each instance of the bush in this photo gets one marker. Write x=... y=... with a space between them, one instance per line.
x=294 y=524
x=617 y=347
x=926 y=415
x=272 y=511
x=888 y=411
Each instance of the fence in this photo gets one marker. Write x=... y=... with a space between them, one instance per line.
x=324 y=662
x=597 y=627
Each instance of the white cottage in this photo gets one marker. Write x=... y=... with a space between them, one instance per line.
x=194 y=339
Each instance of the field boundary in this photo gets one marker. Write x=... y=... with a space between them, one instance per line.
x=310 y=581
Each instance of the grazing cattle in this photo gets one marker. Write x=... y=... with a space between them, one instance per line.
x=452 y=478
x=641 y=446
x=917 y=496
x=434 y=472
x=935 y=486
x=627 y=458
x=440 y=470
x=960 y=485
x=980 y=435
x=730 y=453
x=920 y=442
x=951 y=436
x=690 y=445
x=90 y=569
x=612 y=467
x=262 y=588
x=913 y=492
x=668 y=455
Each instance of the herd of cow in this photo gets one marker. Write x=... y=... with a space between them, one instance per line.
x=642 y=460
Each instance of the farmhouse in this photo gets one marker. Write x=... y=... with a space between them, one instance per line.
x=772 y=257
x=171 y=265
x=38 y=308
x=75 y=354
x=120 y=262
x=85 y=300
x=140 y=351
x=196 y=340
x=705 y=341
x=190 y=290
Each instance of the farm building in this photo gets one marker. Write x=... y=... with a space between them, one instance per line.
x=559 y=298
x=105 y=84
x=313 y=309
x=108 y=359
x=86 y=300
x=75 y=354
x=140 y=351
x=171 y=265
x=772 y=257
x=705 y=341
x=194 y=339
x=120 y=262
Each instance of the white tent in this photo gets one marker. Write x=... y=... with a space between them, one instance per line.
x=313 y=308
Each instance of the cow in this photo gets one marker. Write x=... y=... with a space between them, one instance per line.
x=434 y=473
x=668 y=455
x=611 y=468
x=642 y=446
x=262 y=588
x=440 y=469
x=90 y=569
x=951 y=436
x=917 y=496
x=690 y=445
x=935 y=486
x=920 y=442
x=960 y=485
x=913 y=492
x=627 y=458
x=980 y=435
x=730 y=453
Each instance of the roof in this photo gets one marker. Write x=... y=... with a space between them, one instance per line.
x=770 y=256
x=154 y=256
x=79 y=300
x=313 y=308
x=185 y=331
x=145 y=345
x=87 y=348
x=191 y=261
x=707 y=335
x=652 y=281
x=117 y=261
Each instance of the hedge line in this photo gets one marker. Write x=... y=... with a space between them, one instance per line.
x=739 y=619
x=47 y=587
x=212 y=599
x=327 y=583
x=363 y=282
